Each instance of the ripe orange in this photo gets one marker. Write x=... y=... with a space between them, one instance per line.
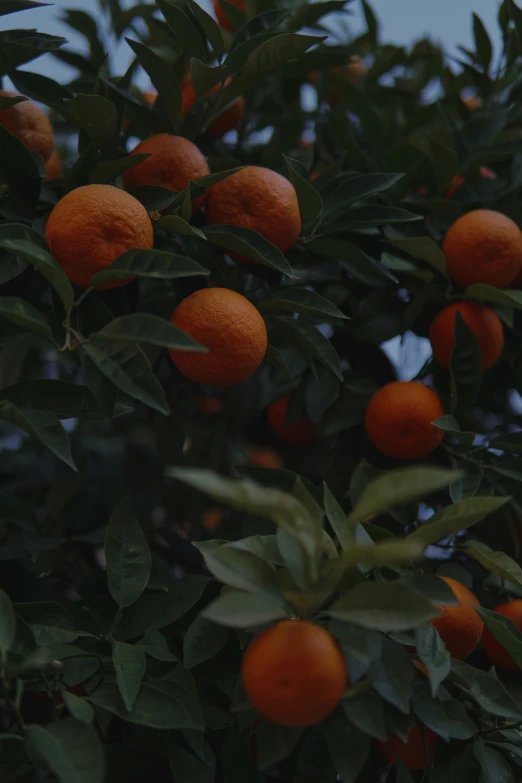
x=459 y=627
x=91 y=226
x=53 y=167
x=459 y=180
x=294 y=673
x=230 y=327
x=483 y=322
x=483 y=246
x=28 y=123
x=264 y=458
x=398 y=420
x=226 y=121
x=299 y=433
x=259 y=199
x=172 y=163
x=472 y=102
x=221 y=16
x=497 y=654
x=211 y=518
x=412 y=752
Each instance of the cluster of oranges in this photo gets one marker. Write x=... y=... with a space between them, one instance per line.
x=295 y=674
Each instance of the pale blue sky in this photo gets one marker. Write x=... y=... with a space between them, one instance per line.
x=447 y=21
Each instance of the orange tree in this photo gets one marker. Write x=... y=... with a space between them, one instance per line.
x=235 y=545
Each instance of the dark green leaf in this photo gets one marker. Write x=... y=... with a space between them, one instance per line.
x=41 y=425
x=163 y=77
x=394 y=678
x=236 y=762
x=7 y=623
x=300 y=300
x=13 y=6
x=148 y=329
x=98 y=117
x=108 y=172
x=78 y=706
x=483 y=46
x=241 y=569
x=237 y=609
x=371 y=216
x=311 y=342
x=461 y=515
x=49 y=622
x=149 y=263
x=183 y=29
x=310 y=201
x=505 y=631
x=365 y=711
x=21 y=313
x=344 y=530
x=497 y=562
x=465 y=367
x=129 y=664
x=128 y=368
x=356 y=188
x=203 y=641
x=383 y=606
x=244 y=241
x=495 y=768
x=210 y=27
x=69 y=748
x=127 y=554
x=486 y=690
x=488 y=293
x=361 y=266
x=433 y=654
x=276 y=52
x=349 y=748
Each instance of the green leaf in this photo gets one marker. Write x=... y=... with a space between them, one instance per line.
x=13 y=6
x=350 y=189
x=184 y=30
x=487 y=293
x=163 y=77
x=433 y=654
x=467 y=485
x=69 y=749
x=177 y=225
x=11 y=240
x=129 y=664
x=155 y=645
x=384 y=606
x=486 y=691
x=65 y=400
x=483 y=46
x=311 y=342
x=394 y=681
x=246 y=242
x=157 y=610
x=450 y=425
x=98 y=117
x=424 y=249
x=366 y=713
x=148 y=329
x=343 y=529
x=149 y=263
x=21 y=313
x=300 y=300
x=453 y=518
x=7 y=623
x=356 y=262
x=465 y=367
x=510 y=441
x=505 y=631
x=310 y=201
x=210 y=27
x=306 y=15
x=276 y=52
x=127 y=554
x=371 y=23
x=128 y=368
x=49 y=622
x=79 y=707
x=241 y=569
x=43 y=426
x=108 y=172
x=349 y=748
x=371 y=216
x=203 y=641
x=236 y=609
x=397 y=487
x=160 y=704
x=497 y=562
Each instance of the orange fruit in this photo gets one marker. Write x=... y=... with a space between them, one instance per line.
x=298 y=433
x=259 y=199
x=264 y=458
x=497 y=654
x=412 y=752
x=221 y=16
x=91 y=226
x=211 y=518
x=459 y=627
x=472 y=102
x=353 y=72
x=53 y=167
x=172 y=163
x=483 y=246
x=226 y=121
x=210 y=405
x=29 y=124
x=483 y=322
x=230 y=327
x=399 y=418
x=459 y=180
x=294 y=673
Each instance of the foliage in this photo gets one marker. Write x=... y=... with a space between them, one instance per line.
x=122 y=620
